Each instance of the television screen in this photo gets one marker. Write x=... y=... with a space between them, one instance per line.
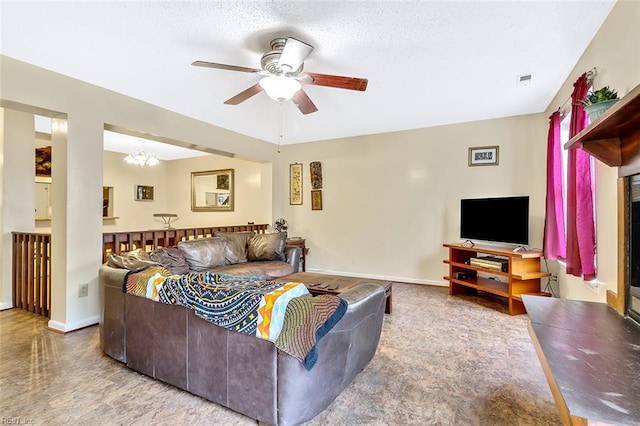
x=504 y=219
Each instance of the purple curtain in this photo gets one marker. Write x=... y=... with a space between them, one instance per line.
x=581 y=240
x=555 y=243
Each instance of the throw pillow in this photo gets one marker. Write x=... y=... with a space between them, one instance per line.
x=267 y=246
x=204 y=253
x=236 y=249
x=171 y=258
x=138 y=254
x=127 y=261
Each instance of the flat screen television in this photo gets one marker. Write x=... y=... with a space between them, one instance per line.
x=501 y=219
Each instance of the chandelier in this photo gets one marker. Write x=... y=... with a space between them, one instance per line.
x=141 y=158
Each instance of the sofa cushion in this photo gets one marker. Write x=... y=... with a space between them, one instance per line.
x=236 y=249
x=267 y=246
x=267 y=270
x=171 y=258
x=204 y=253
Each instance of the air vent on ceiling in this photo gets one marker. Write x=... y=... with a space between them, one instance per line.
x=524 y=80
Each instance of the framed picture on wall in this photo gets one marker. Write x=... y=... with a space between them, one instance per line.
x=316 y=199
x=483 y=156
x=143 y=193
x=295 y=184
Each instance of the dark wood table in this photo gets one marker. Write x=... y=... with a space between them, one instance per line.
x=337 y=284
x=589 y=354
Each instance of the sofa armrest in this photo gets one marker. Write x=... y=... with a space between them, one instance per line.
x=364 y=300
x=292 y=256
x=112 y=329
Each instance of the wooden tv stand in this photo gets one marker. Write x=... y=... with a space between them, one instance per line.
x=523 y=274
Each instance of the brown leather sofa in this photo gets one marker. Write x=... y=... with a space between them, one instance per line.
x=237 y=253
x=244 y=373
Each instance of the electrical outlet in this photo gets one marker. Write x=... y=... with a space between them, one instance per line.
x=83 y=290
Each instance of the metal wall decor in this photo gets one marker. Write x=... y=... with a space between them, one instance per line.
x=315 y=169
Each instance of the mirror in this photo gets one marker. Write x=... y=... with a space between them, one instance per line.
x=212 y=191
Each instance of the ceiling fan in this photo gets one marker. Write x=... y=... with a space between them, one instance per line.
x=282 y=74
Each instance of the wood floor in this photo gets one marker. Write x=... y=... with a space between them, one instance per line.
x=441 y=361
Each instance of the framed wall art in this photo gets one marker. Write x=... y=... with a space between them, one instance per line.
x=483 y=155
x=43 y=161
x=143 y=193
x=315 y=168
x=295 y=184
x=316 y=199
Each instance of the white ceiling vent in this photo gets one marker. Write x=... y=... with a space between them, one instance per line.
x=524 y=80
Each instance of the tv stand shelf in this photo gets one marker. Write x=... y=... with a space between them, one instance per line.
x=523 y=273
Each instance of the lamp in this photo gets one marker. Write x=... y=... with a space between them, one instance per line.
x=280 y=88
x=141 y=158
x=167 y=218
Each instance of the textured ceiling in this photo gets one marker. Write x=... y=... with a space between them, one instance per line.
x=428 y=62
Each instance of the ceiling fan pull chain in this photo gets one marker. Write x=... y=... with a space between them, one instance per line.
x=280 y=125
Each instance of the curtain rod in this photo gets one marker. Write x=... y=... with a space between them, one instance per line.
x=590 y=76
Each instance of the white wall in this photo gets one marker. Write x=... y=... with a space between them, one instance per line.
x=391 y=200
x=16 y=205
x=614 y=53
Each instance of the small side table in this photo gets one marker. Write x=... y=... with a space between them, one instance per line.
x=300 y=242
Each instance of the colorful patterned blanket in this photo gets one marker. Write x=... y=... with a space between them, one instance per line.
x=283 y=313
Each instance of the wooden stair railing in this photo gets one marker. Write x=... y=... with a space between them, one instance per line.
x=120 y=242
x=31 y=258
x=31 y=272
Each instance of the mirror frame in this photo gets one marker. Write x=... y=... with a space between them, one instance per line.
x=198 y=192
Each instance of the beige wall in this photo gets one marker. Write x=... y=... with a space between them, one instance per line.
x=252 y=191
x=391 y=200
x=171 y=181
x=614 y=53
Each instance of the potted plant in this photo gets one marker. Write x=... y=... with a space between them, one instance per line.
x=598 y=101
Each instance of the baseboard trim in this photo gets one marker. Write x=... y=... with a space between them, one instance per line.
x=5 y=305
x=382 y=277
x=65 y=328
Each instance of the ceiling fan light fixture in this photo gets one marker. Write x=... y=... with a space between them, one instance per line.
x=280 y=88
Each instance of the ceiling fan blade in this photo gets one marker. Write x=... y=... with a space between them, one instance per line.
x=294 y=53
x=244 y=95
x=224 y=66
x=303 y=102
x=337 y=81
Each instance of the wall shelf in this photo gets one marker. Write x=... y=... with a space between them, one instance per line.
x=614 y=138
